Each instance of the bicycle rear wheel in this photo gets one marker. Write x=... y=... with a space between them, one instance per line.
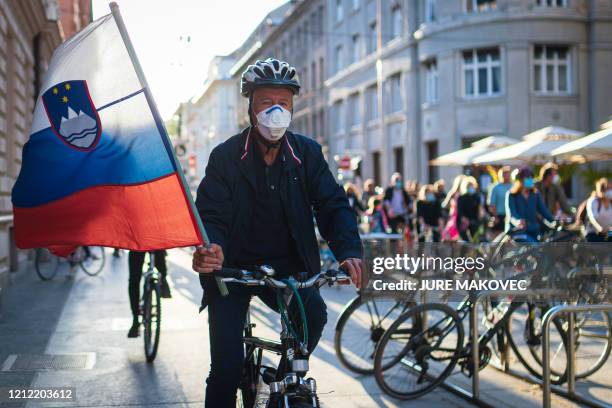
x=151 y=319
x=359 y=328
x=526 y=342
x=93 y=262
x=46 y=264
x=418 y=351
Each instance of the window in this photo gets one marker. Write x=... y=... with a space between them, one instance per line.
x=430 y=11
x=395 y=93
x=304 y=78
x=306 y=37
x=551 y=69
x=431 y=82
x=321 y=124
x=338 y=58
x=376 y=169
x=321 y=71
x=356 y=40
x=338 y=117
x=339 y=11
x=356 y=4
x=398 y=158
x=313 y=75
x=371 y=95
x=432 y=153
x=475 y=6
x=355 y=112
x=372 y=38
x=396 y=22
x=481 y=73
x=551 y=3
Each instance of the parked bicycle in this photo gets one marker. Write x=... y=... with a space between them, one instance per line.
x=287 y=386
x=91 y=260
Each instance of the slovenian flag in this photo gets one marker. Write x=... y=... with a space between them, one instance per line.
x=98 y=168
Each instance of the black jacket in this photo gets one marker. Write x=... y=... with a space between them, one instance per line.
x=226 y=197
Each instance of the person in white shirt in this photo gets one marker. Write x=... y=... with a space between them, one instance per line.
x=599 y=213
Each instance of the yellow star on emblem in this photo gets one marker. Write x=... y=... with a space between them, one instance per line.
x=67 y=86
x=54 y=91
x=65 y=99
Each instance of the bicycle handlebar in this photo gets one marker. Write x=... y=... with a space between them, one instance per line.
x=263 y=277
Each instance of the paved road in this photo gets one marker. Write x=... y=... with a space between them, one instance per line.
x=76 y=313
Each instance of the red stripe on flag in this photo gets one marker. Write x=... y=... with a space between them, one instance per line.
x=152 y=215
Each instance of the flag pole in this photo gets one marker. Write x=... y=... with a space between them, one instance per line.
x=160 y=124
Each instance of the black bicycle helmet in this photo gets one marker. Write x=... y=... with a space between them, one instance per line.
x=522 y=173
x=270 y=72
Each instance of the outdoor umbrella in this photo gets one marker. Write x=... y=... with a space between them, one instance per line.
x=465 y=157
x=596 y=146
x=535 y=148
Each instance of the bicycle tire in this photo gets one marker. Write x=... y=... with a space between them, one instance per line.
x=344 y=352
x=46 y=264
x=247 y=391
x=603 y=357
x=151 y=319
x=536 y=369
x=92 y=269
x=416 y=314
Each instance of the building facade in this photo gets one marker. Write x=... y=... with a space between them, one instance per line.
x=297 y=37
x=209 y=118
x=413 y=79
x=29 y=32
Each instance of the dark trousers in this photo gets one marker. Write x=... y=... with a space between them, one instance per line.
x=226 y=318
x=135 y=263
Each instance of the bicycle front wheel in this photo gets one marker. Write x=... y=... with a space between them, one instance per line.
x=46 y=264
x=93 y=260
x=418 y=351
x=359 y=328
x=151 y=319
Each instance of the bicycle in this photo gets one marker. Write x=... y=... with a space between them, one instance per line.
x=431 y=352
x=91 y=260
x=287 y=386
x=150 y=309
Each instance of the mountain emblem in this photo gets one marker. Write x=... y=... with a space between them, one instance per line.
x=73 y=116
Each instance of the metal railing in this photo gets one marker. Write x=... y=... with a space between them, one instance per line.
x=547 y=388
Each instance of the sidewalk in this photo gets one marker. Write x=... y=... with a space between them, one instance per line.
x=90 y=316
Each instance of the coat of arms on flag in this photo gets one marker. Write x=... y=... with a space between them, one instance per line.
x=72 y=114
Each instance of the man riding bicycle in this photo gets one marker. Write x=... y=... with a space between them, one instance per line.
x=257 y=201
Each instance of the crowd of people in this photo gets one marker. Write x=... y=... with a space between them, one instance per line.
x=515 y=202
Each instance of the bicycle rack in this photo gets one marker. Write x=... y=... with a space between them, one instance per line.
x=474 y=395
x=571 y=381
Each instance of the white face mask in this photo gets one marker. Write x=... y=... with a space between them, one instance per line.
x=556 y=179
x=273 y=122
x=608 y=194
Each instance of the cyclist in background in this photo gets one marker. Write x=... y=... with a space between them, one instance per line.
x=468 y=209
x=428 y=214
x=523 y=205
x=551 y=191
x=135 y=264
x=599 y=213
x=497 y=198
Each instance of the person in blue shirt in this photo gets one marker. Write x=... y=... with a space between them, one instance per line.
x=523 y=206
x=496 y=200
